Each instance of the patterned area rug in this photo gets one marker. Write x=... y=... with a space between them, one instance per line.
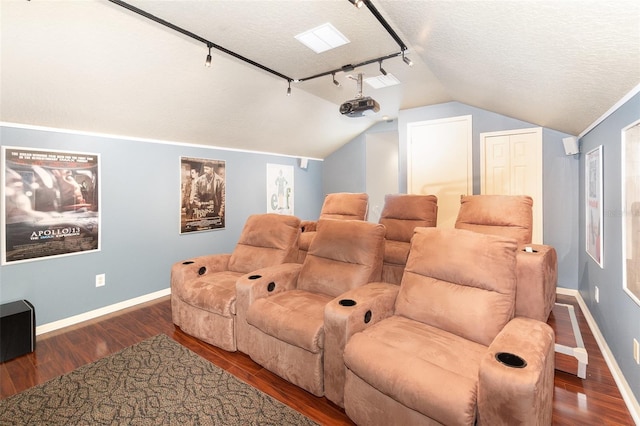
x=155 y=382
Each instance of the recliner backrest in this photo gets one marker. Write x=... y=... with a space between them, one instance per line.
x=459 y=281
x=345 y=205
x=404 y=212
x=266 y=240
x=343 y=255
x=507 y=215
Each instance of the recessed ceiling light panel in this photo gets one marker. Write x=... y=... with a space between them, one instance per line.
x=322 y=38
x=381 y=81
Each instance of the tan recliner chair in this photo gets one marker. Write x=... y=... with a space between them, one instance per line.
x=512 y=216
x=284 y=326
x=340 y=206
x=449 y=351
x=203 y=289
x=401 y=214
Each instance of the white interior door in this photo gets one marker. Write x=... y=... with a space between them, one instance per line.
x=511 y=164
x=440 y=163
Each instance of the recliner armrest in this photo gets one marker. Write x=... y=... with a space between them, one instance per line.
x=347 y=314
x=259 y=284
x=198 y=266
x=513 y=393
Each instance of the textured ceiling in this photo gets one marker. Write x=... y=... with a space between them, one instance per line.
x=94 y=66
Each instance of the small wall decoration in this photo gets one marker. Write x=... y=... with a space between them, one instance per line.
x=631 y=211
x=51 y=204
x=280 y=189
x=593 y=196
x=202 y=193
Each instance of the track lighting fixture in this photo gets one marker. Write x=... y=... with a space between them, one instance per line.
x=407 y=60
x=357 y=3
x=289 y=89
x=336 y=82
x=207 y=63
x=382 y=70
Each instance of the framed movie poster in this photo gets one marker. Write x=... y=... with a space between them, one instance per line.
x=593 y=196
x=202 y=193
x=631 y=211
x=279 y=189
x=51 y=204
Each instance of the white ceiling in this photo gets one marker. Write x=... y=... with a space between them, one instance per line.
x=94 y=66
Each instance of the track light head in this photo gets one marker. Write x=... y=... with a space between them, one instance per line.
x=407 y=60
x=382 y=70
x=207 y=63
x=289 y=89
x=336 y=82
x=357 y=3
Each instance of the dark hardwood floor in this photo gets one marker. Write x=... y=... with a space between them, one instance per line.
x=592 y=401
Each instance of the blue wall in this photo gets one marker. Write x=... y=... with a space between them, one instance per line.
x=345 y=170
x=617 y=315
x=140 y=205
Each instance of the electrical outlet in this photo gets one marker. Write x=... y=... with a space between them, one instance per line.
x=636 y=351
x=597 y=295
x=101 y=280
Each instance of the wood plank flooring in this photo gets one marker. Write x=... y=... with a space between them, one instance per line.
x=592 y=401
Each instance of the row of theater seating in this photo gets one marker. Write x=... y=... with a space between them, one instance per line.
x=443 y=346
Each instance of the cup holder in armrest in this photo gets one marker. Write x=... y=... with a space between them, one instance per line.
x=202 y=270
x=271 y=286
x=511 y=360
x=254 y=277
x=347 y=302
x=188 y=262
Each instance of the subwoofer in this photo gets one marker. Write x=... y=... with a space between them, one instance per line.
x=17 y=329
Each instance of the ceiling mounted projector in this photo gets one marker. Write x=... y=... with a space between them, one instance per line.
x=360 y=106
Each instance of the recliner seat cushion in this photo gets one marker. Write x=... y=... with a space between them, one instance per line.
x=295 y=317
x=424 y=368
x=215 y=292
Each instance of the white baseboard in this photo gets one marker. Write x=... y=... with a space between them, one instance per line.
x=625 y=390
x=76 y=319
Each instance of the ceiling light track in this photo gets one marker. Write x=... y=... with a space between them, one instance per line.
x=188 y=33
x=351 y=67
x=385 y=24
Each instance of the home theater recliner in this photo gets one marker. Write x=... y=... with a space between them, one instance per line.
x=438 y=339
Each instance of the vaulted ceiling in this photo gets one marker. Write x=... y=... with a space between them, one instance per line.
x=96 y=66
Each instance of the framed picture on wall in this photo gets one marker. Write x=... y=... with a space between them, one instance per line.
x=279 y=189
x=50 y=204
x=631 y=211
x=202 y=194
x=594 y=208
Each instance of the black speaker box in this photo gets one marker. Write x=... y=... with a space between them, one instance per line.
x=17 y=329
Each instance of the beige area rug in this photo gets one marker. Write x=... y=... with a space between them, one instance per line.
x=155 y=382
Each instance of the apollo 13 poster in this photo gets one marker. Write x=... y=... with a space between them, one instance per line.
x=51 y=204
x=203 y=194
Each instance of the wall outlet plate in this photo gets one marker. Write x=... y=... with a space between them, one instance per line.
x=636 y=351
x=100 y=280
x=597 y=295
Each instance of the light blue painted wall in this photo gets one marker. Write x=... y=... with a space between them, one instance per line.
x=140 y=199
x=617 y=315
x=345 y=170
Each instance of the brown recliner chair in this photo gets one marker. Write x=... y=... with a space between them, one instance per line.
x=400 y=215
x=339 y=205
x=203 y=289
x=512 y=216
x=284 y=325
x=449 y=351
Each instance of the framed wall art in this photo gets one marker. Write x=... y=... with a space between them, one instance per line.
x=51 y=204
x=594 y=208
x=631 y=211
x=279 y=189
x=202 y=194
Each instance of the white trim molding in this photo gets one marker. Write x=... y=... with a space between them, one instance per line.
x=76 y=319
x=623 y=385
